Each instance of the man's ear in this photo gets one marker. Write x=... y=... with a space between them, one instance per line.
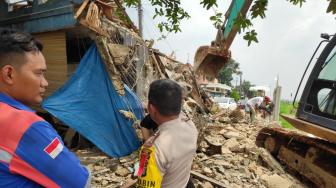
x=152 y=108
x=7 y=74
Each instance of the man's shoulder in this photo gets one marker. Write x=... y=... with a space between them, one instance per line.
x=9 y=112
x=15 y=122
x=177 y=131
x=189 y=124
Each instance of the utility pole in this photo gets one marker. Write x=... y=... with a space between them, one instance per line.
x=240 y=73
x=240 y=78
x=236 y=79
x=140 y=18
x=276 y=100
x=142 y=56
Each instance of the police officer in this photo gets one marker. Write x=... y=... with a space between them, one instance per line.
x=167 y=163
x=31 y=152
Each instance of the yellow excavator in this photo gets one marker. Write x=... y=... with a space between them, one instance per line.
x=209 y=60
x=311 y=156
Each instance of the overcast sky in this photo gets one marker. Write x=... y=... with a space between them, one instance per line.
x=287 y=39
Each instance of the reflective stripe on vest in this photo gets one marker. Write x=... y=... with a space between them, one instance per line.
x=5 y=156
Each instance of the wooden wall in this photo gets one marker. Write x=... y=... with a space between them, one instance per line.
x=54 y=50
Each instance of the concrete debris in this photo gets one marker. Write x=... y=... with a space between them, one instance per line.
x=227 y=157
x=276 y=181
x=119 y=53
x=121 y=171
x=106 y=171
x=236 y=115
x=207 y=185
x=240 y=162
x=231 y=134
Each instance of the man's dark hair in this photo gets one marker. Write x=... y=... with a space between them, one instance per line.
x=14 y=42
x=166 y=96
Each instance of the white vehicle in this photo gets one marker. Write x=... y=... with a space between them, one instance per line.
x=226 y=102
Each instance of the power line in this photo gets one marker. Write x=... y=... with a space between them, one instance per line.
x=154 y=26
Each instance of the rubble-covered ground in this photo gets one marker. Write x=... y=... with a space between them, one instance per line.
x=227 y=154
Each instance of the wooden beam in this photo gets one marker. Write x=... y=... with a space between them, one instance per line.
x=96 y=29
x=157 y=66
x=81 y=8
x=201 y=177
x=104 y=3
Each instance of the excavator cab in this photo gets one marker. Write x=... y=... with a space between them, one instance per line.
x=316 y=112
x=318 y=101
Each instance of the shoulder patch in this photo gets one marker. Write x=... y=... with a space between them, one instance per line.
x=54 y=148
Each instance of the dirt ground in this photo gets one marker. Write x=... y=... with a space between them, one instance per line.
x=226 y=153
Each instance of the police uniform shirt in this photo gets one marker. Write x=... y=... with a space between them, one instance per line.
x=175 y=149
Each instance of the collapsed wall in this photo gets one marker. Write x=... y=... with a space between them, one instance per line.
x=130 y=60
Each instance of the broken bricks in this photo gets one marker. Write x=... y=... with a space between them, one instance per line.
x=227 y=157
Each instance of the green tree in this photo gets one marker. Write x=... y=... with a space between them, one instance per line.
x=235 y=94
x=174 y=14
x=245 y=88
x=225 y=75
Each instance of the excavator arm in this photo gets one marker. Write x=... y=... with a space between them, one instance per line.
x=210 y=59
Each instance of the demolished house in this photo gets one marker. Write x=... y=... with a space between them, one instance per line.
x=99 y=70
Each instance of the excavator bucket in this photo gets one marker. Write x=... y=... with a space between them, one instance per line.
x=210 y=60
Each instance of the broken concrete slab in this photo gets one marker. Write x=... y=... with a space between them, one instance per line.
x=276 y=181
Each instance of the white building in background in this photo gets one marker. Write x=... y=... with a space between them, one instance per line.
x=217 y=89
x=213 y=87
x=261 y=90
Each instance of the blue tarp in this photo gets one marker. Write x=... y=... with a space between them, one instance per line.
x=89 y=104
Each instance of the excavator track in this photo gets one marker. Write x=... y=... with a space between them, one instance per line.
x=311 y=157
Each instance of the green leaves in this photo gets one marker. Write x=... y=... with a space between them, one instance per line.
x=258 y=9
x=242 y=23
x=332 y=7
x=296 y=2
x=225 y=74
x=209 y=3
x=173 y=14
x=217 y=19
x=172 y=11
x=251 y=36
x=131 y=3
x=235 y=94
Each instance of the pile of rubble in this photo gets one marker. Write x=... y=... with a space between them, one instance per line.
x=107 y=171
x=227 y=157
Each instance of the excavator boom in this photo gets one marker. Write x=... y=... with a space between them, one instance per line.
x=209 y=60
